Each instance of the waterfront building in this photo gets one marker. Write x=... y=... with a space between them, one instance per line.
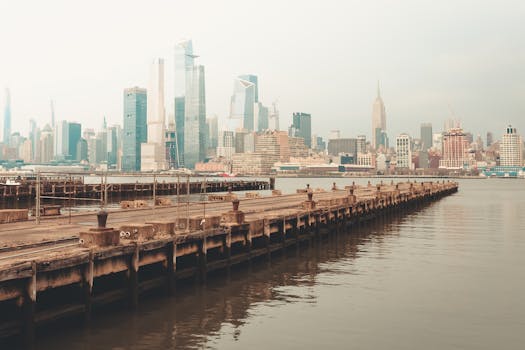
x=195 y=118
x=403 y=152
x=82 y=150
x=342 y=145
x=253 y=163
x=318 y=144
x=334 y=135
x=426 y=136
x=153 y=154
x=302 y=127
x=366 y=159
x=511 y=148
x=7 y=118
x=134 y=128
x=378 y=120
x=242 y=103
x=298 y=148
x=455 y=147
x=184 y=64
x=26 y=151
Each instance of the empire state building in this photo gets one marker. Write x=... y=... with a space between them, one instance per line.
x=378 y=121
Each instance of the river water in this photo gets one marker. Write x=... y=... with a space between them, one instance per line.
x=448 y=276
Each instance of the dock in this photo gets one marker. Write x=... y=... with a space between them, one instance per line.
x=76 y=187
x=59 y=269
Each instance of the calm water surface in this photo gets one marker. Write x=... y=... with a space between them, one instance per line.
x=449 y=276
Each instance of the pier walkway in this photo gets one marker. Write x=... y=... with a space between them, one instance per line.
x=84 y=265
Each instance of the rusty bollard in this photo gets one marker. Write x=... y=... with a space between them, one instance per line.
x=310 y=196
x=308 y=187
x=235 y=204
x=102 y=217
x=334 y=187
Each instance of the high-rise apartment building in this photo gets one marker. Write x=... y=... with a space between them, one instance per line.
x=7 y=117
x=403 y=152
x=153 y=154
x=302 y=127
x=46 y=145
x=378 y=119
x=242 y=103
x=195 y=118
x=455 y=147
x=426 y=136
x=511 y=148
x=134 y=128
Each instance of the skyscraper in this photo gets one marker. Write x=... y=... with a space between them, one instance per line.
x=7 y=117
x=260 y=117
x=378 y=118
x=135 y=127
x=255 y=81
x=213 y=131
x=61 y=139
x=273 y=117
x=511 y=149
x=302 y=127
x=195 y=118
x=426 y=136
x=242 y=103
x=153 y=154
x=403 y=152
x=184 y=62
x=74 y=134
x=455 y=147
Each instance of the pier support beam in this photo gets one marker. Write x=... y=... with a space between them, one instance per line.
x=87 y=286
x=133 y=279
x=28 y=309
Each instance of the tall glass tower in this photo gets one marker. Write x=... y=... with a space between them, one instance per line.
x=7 y=117
x=242 y=103
x=135 y=127
x=195 y=118
x=184 y=63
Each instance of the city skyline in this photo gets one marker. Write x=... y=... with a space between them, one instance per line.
x=415 y=86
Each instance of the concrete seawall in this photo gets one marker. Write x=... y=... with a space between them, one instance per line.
x=47 y=285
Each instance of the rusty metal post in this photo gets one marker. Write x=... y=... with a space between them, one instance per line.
x=37 y=211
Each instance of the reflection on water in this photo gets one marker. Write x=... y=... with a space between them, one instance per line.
x=449 y=276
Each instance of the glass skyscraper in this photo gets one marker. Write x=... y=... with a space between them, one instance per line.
x=195 y=118
x=242 y=103
x=302 y=124
x=184 y=62
x=135 y=127
x=7 y=118
x=74 y=134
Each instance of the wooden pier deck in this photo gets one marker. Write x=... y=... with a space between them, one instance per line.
x=40 y=283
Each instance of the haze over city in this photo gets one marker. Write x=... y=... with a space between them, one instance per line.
x=432 y=59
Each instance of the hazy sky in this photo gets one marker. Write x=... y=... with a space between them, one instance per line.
x=322 y=57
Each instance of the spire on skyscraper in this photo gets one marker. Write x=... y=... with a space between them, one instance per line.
x=378 y=90
x=52 y=114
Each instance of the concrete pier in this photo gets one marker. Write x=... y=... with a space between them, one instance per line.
x=39 y=285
